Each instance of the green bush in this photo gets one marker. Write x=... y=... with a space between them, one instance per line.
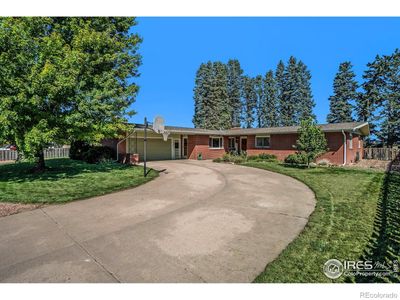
x=296 y=159
x=266 y=156
x=77 y=150
x=91 y=154
x=217 y=160
x=97 y=154
x=237 y=159
x=227 y=157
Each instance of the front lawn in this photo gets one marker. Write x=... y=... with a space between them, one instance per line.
x=341 y=226
x=66 y=180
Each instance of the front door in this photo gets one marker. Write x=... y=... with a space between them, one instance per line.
x=243 y=144
x=177 y=149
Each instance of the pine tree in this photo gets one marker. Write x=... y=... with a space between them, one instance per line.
x=382 y=89
x=270 y=104
x=306 y=104
x=234 y=90
x=280 y=84
x=345 y=91
x=217 y=114
x=366 y=103
x=202 y=82
x=290 y=94
x=260 y=99
x=249 y=101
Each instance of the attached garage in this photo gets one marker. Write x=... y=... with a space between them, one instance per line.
x=157 y=149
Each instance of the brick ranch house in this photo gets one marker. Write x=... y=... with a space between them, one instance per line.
x=345 y=142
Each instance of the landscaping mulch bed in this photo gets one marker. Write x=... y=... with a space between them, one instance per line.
x=7 y=209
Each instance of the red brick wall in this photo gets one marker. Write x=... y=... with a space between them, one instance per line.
x=112 y=143
x=199 y=144
x=282 y=146
x=352 y=153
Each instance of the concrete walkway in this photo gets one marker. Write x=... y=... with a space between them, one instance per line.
x=198 y=222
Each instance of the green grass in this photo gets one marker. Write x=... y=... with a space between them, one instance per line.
x=384 y=245
x=341 y=226
x=66 y=180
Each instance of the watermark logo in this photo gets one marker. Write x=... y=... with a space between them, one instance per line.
x=333 y=269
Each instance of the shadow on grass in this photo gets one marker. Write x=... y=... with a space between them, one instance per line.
x=384 y=245
x=56 y=169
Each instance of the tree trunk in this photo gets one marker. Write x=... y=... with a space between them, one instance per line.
x=40 y=164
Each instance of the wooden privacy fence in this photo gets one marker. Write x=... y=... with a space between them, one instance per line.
x=48 y=153
x=381 y=153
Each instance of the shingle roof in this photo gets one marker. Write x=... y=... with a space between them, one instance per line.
x=359 y=127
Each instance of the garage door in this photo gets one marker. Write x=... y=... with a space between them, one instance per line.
x=157 y=149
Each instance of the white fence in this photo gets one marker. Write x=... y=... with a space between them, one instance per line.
x=48 y=153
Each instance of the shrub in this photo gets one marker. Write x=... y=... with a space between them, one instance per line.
x=237 y=159
x=227 y=157
x=266 y=156
x=217 y=160
x=91 y=154
x=97 y=154
x=78 y=148
x=296 y=159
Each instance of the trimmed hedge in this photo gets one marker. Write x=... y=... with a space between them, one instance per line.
x=296 y=159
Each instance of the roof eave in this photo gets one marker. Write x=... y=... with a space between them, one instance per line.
x=362 y=129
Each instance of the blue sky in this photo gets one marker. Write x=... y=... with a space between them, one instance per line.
x=173 y=48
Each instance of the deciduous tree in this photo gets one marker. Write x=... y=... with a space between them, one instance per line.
x=65 y=79
x=311 y=141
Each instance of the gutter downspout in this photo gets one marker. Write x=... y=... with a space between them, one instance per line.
x=122 y=141
x=344 y=148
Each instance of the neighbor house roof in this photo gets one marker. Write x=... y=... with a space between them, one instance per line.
x=356 y=127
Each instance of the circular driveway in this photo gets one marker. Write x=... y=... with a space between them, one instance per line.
x=198 y=222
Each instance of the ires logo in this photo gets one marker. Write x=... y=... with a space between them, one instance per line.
x=334 y=268
x=358 y=265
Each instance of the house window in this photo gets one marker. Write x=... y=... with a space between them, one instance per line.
x=232 y=142
x=215 y=142
x=350 y=141
x=262 y=141
x=359 y=142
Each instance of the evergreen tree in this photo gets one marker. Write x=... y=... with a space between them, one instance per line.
x=269 y=108
x=201 y=92
x=366 y=103
x=306 y=104
x=234 y=90
x=345 y=92
x=280 y=84
x=215 y=110
x=260 y=99
x=382 y=89
x=249 y=101
x=290 y=94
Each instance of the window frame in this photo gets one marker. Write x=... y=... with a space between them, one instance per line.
x=262 y=136
x=234 y=143
x=221 y=142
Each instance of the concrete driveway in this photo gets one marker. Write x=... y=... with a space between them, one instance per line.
x=198 y=222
